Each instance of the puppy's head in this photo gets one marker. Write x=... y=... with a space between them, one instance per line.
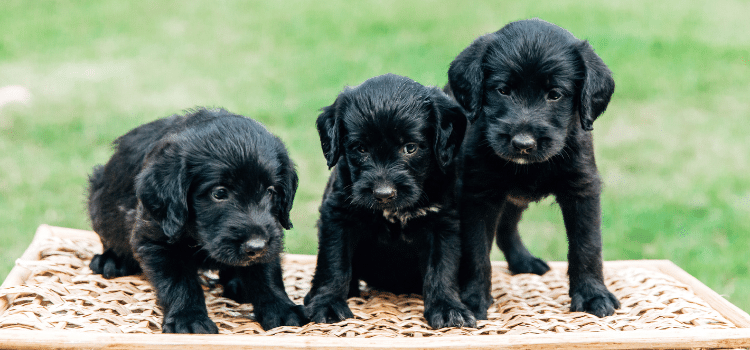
x=533 y=83
x=225 y=181
x=392 y=133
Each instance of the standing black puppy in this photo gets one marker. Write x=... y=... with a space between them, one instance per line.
x=531 y=91
x=208 y=190
x=389 y=214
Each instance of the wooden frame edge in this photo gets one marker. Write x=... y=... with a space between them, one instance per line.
x=672 y=339
x=18 y=274
x=731 y=312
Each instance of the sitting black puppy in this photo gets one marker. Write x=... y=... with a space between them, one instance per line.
x=389 y=214
x=531 y=91
x=208 y=190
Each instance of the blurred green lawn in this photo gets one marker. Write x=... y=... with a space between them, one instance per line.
x=673 y=146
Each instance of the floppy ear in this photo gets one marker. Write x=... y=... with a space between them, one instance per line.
x=466 y=76
x=162 y=187
x=598 y=86
x=450 y=125
x=286 y=188
x=330 y=131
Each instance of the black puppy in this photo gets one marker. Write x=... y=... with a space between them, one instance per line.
x=389 y=214
x=208 y=190
x=531 y=91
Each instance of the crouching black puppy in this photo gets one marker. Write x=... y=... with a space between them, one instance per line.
x=208 y=190
x=531 y=91
x=389 y=213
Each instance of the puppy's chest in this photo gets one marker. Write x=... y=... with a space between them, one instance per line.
x=523 y=196
x=521 y=189
x=404 y=216
x=404 y=227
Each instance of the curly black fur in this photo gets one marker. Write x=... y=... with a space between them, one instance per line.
x=532 y=92
x=207 y=190
x=389 y=213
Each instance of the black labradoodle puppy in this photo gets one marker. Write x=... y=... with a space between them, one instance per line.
x=389 y=214
x=207 y=190
x=532 y=92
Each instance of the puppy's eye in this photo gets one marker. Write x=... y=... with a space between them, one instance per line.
x=553 y=95
x=271 y=190
x=360 y=148
x=410 y=148
x=503 y=90
x=219 y=193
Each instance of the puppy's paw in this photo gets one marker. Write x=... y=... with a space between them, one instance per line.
x=193 y=321
x=280 y=314
x=327 y=311
x=527 y=264
x=599 y=302
x=477 y=300
x=109 y=265
x=449 y=314
x=234 y=289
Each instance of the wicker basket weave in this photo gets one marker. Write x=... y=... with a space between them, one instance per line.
x=52 y=289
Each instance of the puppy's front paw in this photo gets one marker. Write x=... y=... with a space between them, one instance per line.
x=189 y=322
x=477 y=299
x=234 y=289
x=527 y=264
x=599 y=302
x=448 y=314
x=280 y=314
x=109 y=265
x=327 y=311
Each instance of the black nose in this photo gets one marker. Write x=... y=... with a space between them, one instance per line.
x=384 y=194
x=523 y=143
x=254 y=246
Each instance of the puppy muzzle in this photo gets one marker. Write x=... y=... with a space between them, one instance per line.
x=254 y=247
x=523 y=147
x=384 y=193
x=259 y=242
x=385 y=189
x=245 y=243
x=523 y=144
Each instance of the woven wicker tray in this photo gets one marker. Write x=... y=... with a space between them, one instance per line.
x=52 y=300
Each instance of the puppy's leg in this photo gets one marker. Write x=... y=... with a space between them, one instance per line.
x=263 y=286
x=110 y=265
x=178 y=288
x=509 y=241
x=588 y=293
x=442 y=303
x=478 y=224
x=326 y=301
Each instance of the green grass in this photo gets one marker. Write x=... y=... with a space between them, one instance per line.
x=672 y=147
